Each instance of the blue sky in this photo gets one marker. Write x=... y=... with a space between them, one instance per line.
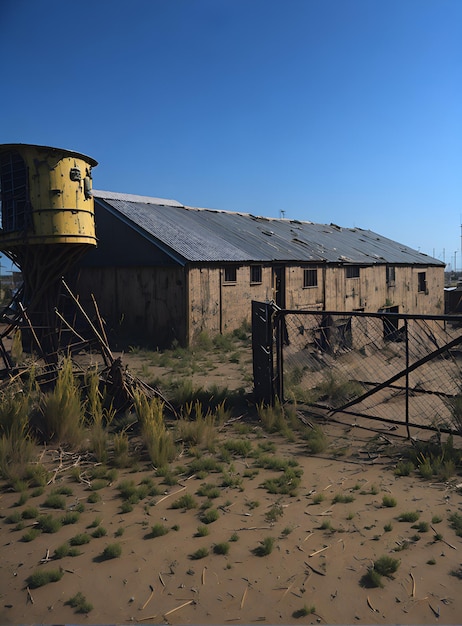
x=344 y=111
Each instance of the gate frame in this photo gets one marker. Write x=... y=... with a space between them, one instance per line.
x=276 y=334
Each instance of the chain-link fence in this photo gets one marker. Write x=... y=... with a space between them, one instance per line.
x=387 y=366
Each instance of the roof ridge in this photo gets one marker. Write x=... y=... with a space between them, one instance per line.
x=130 y=197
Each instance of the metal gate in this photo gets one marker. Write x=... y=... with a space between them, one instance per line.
x=403 y=369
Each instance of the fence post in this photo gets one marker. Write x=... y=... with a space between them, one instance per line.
x=262 y=351
x=280 y=328
x=406 y=334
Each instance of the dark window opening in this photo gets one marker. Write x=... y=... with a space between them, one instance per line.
x=390 y=275
x=255 y=274
x=230 y=274
x=14 y=193
x=310 y=277
x=352 y=271
x=391 y=330
x=422 y=282
x=344 y=334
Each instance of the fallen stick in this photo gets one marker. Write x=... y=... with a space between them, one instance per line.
x=145 y=619
x=29 y=595
x=170 y=494
x=286 y=591
x=313 y=569
x=444 y=540
x=46 y=558
x=161 y=580
x=203 y=575
x=179 y=607
x=318 y=551
x=149 y=599
x=244 y=596
x=413 y=585
x=370 y=606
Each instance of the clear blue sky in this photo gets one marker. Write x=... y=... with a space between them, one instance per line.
x=344 y=111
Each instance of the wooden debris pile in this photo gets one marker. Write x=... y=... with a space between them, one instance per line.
x=73 y=334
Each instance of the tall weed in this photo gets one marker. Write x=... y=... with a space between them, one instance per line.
x=195 y=427
x=121 y=450
x=273 y=418
x=99 y=417
x=16 y=445
x=157 y=439
x=62 y=408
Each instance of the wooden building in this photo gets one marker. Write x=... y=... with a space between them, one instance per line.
x=163 y=271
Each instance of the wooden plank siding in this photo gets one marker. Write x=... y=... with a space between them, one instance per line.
x=145 y=303
x=163 y=304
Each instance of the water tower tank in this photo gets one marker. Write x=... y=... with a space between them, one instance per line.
x=45 y=197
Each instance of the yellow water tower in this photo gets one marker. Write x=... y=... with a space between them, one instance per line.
x=46 y=197
x=47 y=225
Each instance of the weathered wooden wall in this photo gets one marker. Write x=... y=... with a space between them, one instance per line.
x=220 y=307
x=217 y=306
x=167 y=303
x=336 y=292
x=146 y=303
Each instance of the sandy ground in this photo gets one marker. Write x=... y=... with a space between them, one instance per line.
x=312 y=569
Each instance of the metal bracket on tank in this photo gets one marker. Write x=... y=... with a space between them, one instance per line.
x=75 y=174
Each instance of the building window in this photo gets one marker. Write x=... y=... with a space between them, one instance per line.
x=352 y=271
x=310 y=277
x=390 y=275
x=255 y=274
x=230 y=274
x=422 y=282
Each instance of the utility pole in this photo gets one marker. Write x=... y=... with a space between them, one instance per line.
x=455 y=261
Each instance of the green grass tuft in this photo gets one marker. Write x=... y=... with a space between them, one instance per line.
x=389 y=501
x=265 y=547
x=80 y=539
x=199 y=554
x=221 y=548
x=210 y=516
x=55 y=501
x=202 y=531
x=49 y=524
x=409 y=516
x=79 y=603
x=184 y=502
x=112 y=551
x=42 y=577
x=158 y=530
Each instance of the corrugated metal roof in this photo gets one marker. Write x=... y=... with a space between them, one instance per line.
x=211 y=235
x=112 y=195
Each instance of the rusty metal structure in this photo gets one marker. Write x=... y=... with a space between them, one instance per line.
x=47 y=225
